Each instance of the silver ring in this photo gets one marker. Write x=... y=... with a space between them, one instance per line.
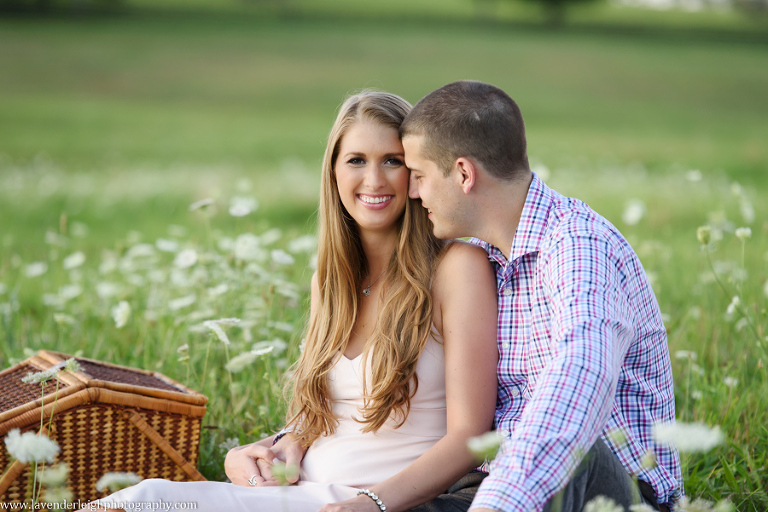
x=252 y=481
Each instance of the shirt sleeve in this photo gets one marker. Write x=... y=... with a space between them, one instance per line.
x=583 y=283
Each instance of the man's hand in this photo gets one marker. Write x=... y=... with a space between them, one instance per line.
x=254 y=461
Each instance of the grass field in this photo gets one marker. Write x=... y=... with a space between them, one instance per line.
x=111 y=126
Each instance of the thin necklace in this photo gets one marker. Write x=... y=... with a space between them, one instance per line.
x=367 y=289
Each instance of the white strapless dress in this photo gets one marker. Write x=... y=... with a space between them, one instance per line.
x=335 y=467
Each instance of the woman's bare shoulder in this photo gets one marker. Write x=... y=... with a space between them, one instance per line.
x=462 y=255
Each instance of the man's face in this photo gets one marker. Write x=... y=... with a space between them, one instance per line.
x=440 y=195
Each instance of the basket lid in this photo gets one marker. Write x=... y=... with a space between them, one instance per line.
x=95 y=373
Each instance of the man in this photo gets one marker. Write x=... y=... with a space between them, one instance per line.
x=584 y=370
x=583 y=350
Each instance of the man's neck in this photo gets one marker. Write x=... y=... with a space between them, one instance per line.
x=500 y=213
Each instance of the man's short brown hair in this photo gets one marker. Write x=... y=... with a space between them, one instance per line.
x=473 y=120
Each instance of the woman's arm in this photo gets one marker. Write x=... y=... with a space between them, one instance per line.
x=255 y=459
x=464 y=294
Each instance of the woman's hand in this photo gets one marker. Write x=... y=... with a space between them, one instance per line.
x=359 y=503
x=254 y=461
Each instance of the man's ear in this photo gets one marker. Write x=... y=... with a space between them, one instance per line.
x=466 y=173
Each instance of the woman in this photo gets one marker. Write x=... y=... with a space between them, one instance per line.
x=399 y=364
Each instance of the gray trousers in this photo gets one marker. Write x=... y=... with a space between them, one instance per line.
x=600 y=473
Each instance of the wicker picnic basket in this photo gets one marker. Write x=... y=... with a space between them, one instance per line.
x=105 y=418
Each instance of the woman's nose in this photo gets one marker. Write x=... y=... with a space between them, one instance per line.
x=375 y=177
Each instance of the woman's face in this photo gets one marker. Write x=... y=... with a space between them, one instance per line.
x=371 y=175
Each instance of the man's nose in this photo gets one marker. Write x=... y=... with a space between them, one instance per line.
x=413 y=188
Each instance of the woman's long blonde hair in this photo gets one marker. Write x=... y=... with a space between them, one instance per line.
x=405 y=316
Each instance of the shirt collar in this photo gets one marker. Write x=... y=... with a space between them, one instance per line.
x=530 y=230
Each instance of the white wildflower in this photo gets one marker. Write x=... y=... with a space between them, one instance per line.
x=281 y=257
x=106 y=290
x=218 y=290
x=697 y=369
x=485 y=446
x=56 y=475
x=285 y=473
x=704 y=234
x=183 y=352
x=634 y=211
x=116 y=481
x=730 y=382
x=228 y=444
x=63 y=319
x=41 y=377
x=74 y=260
x=166 y=245
x=617 y=436
x=201 y=204
x=36 y=269
x=688 y=437
x=743 y=233
x=694 y=175
x=240 y=362
x=685 y=354
x=215 y=327
x=724 y=506
x=641 y=507
x=181 y=302
x=697 y=394
x=53 y=300
x=140 y=251
x=649 y=460
x=241 y=206
x=282 y=326
x=79 y=229
x=602 y=504
x=71 y=365
x=732 y=307
x=29 y=447
x=177 y=231
x=271 y=236
x=121 y=313
x=108 y=264
x=70 y=291
x=247 y=247
x=55 y=239
x=697 y=505
x=186 y=258
x=58 y=494
x=306 y=243
x=747 y=210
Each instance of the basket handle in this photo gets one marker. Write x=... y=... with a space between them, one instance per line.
x=146 y=429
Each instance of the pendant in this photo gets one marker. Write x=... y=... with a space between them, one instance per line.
x=367 y=291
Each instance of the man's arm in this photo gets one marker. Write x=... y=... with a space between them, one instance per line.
x=574 y=394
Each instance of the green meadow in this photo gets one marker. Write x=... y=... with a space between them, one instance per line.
x=113 y=124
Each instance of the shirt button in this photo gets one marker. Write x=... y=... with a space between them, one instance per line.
x=508 y=291
x=505 y=433
x=515 y=392
x=505 y=345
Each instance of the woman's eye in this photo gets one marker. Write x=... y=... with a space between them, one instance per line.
x=395 y=162
x=356 y=161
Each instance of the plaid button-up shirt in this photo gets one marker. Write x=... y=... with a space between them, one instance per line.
x=583 y=352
